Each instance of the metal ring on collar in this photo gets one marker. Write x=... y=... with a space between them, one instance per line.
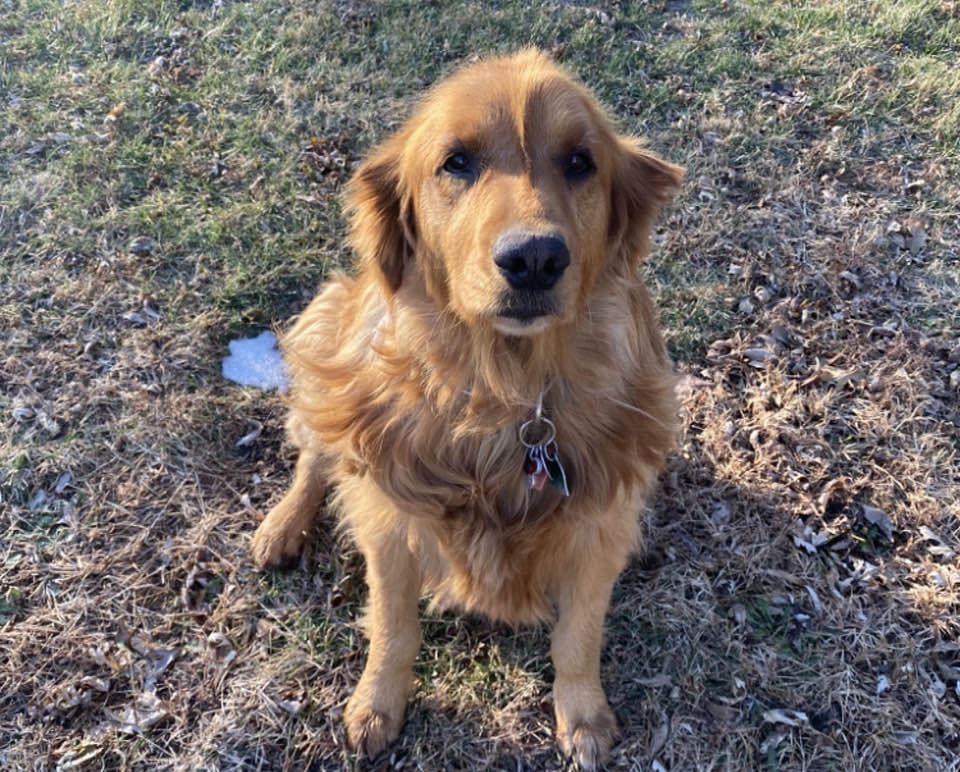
x=550 y=436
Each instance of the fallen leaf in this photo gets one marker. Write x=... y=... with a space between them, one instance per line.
x=134 y=318
x=249 y=438
x=725 y=714
x=739 y=613
x=788 y=717
x=786 y=337
x=814 y=599
x=720 y=513
x=658 y=680
x=293 y=702
x=221 y=648
x=917 y=238
x=937 y=687
x=142 y=245
x=773 y=740
x=759 y=357
x=878 y=518
x=809 y=539
x=62 y=482
x=146 y=713
x=23 y=413
x=659 y=738
x=907 y=738
x=830 y=501
x=82 y=754
x=50 y=425
x=850 y=277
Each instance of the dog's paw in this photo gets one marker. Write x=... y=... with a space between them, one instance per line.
x=370 y=731
x=588 y=740
x=277 y=541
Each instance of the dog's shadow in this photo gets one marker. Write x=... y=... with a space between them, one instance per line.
x=484 y=690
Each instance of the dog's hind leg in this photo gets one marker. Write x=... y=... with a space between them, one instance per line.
x=280 y=537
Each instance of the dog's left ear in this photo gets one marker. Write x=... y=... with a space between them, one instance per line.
x=642 y=184
x=382 y=225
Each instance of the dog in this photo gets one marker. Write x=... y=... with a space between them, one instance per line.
x=489 y=399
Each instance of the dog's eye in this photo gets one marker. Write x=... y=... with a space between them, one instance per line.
x=578 y=165
x=459 y=164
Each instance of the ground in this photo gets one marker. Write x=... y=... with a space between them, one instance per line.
x=171 y=177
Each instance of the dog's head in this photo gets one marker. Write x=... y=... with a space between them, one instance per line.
x=509 y=193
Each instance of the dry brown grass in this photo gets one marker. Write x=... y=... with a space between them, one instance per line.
x=809 y=280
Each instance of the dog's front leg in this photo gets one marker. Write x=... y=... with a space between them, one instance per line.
x=374 y=714
x=586 y=726
x=281 y=536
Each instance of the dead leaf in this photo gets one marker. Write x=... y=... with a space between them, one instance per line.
x=810 y=540
x=134 y=318
x=788 y=717
x=659 y=738
x=720 y=513
x=786 y=337
x=222 y=649
x=658 y=680
x=830 y=501
x=146 y=713
x=62 y=482
x=142 y=245
x=850 y=277
x=293 y=702
x=725 y=714
x=916 y=239
x=23 y=413
x=814 y=599
x=773 y=740
x=907 y=738
x=878 y=518
x=50 y=425
x=739 y=613
x=759 y=357
x=249 y=438
x=86 y=751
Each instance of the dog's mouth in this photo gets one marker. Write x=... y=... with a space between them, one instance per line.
x=526 y=305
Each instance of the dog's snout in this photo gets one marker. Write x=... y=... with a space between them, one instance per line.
x=531 y=261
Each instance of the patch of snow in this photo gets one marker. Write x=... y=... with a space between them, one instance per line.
x=257 y=362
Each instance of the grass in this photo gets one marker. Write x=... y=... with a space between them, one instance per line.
x=808 y=277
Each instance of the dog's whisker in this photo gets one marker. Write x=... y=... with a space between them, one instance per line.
x=642 y=412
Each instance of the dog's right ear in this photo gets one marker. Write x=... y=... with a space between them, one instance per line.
x=382 y=225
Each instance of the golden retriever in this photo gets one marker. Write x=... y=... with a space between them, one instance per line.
x=489 y=399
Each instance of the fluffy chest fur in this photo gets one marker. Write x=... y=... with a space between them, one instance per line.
x=420 y=420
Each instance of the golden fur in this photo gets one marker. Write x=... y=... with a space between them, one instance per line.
x=410 y=383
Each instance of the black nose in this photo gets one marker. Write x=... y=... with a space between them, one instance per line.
x=531 y=262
